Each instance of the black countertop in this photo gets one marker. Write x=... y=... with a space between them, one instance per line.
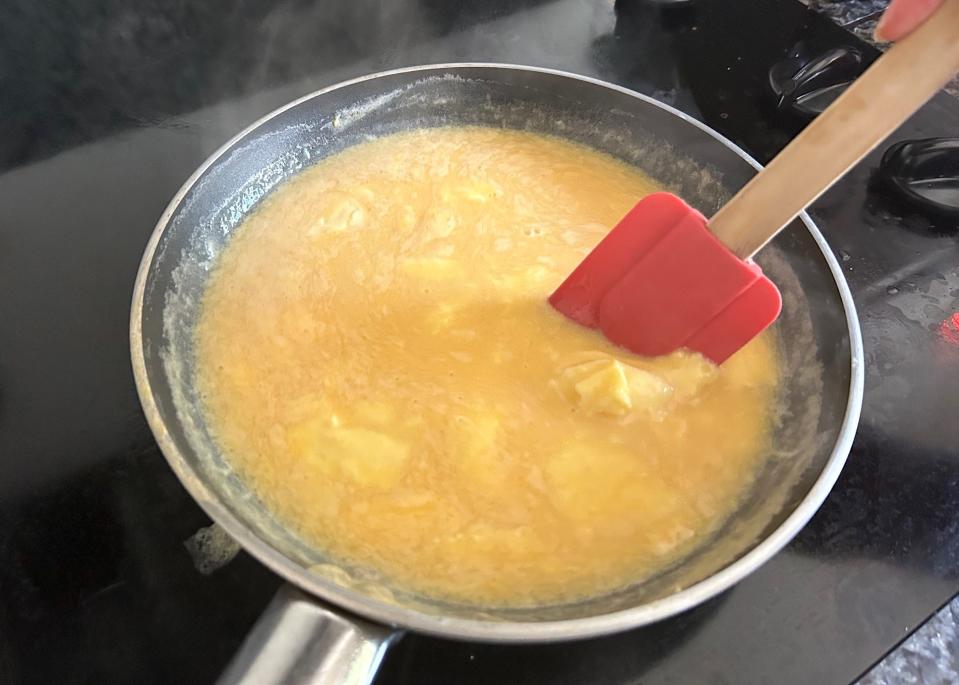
x=106 y=107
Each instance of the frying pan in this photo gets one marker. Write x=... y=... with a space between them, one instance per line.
x=332 y=622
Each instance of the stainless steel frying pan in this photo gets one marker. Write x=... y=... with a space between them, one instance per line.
x=332 y=622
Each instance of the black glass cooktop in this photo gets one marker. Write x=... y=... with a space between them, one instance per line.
x=106 y=106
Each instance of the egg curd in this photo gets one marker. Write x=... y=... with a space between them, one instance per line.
x=378 y=359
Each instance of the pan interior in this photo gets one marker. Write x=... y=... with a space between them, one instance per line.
x=682 y=157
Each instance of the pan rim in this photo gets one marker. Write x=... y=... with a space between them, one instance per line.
x=474 y=629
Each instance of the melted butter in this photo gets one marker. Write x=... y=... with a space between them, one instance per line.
x=379 y=360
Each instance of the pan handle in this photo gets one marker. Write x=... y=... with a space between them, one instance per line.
x=298 y=641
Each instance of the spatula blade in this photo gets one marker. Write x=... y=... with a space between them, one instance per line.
x=660 y=281
x=636 y=233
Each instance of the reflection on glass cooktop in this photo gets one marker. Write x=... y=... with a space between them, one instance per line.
x=108 y=107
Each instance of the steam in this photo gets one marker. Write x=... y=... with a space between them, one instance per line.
x=299 y=46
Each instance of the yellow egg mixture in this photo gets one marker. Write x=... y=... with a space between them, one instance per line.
x=378 y=358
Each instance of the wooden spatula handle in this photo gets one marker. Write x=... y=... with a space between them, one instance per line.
x=880 y=100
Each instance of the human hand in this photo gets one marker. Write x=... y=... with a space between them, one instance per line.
x=903 y=16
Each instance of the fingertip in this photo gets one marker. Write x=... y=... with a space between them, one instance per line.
x=879 y=34
x=902 y=17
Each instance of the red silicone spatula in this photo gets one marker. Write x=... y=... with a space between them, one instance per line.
x=665 y=278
